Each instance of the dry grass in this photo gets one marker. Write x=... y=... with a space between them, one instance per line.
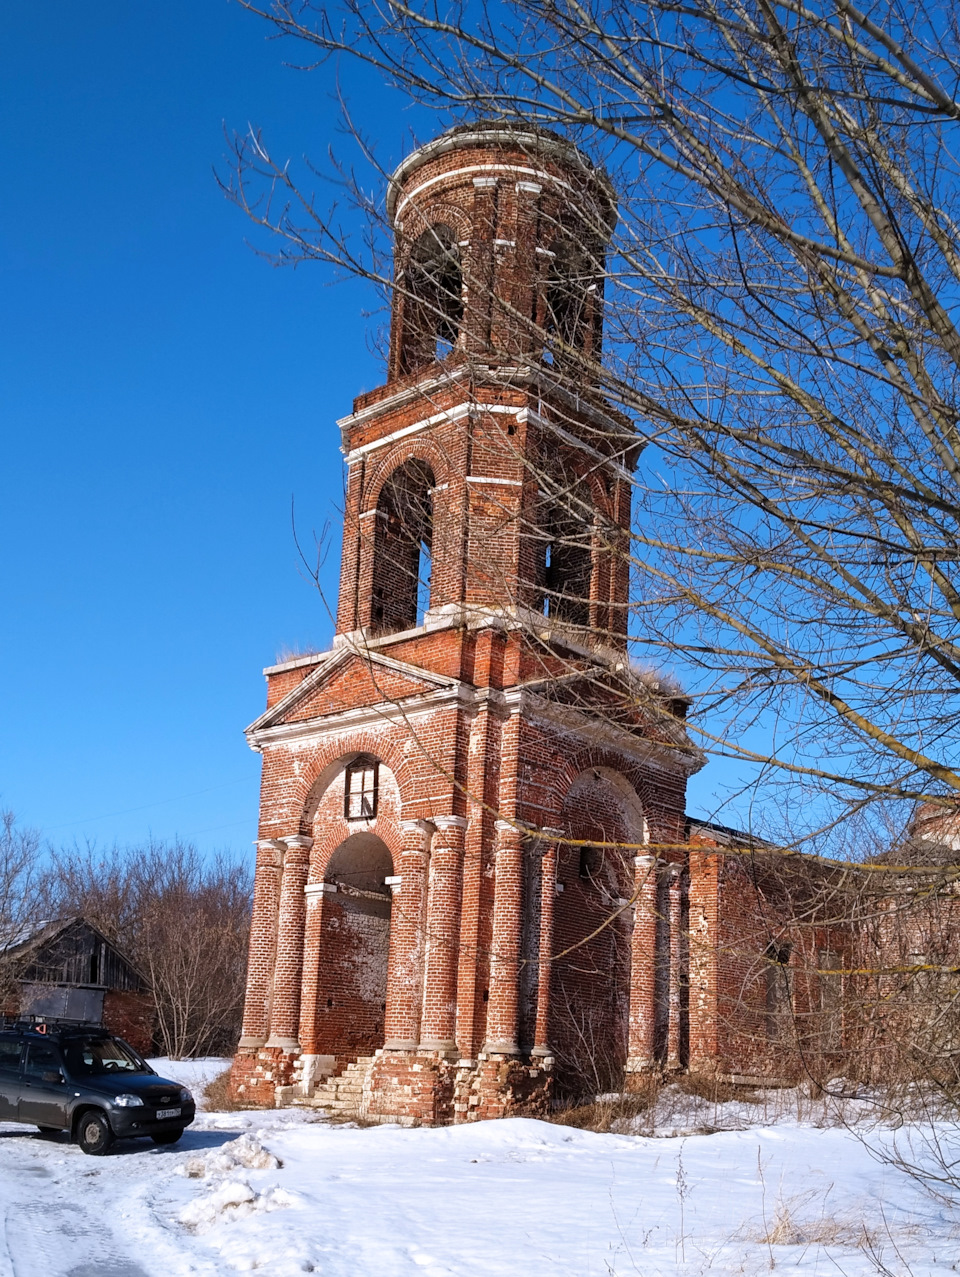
x=605 y=1115
x=826 y=1230
x=709 y=1087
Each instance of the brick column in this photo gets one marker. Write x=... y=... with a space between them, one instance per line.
x=288 y=973
x=405 y=964
x=312 y=953
x=674 y=875
x=640 y=1046
x=439 y=1024
x=548 y=896
x=704 y=959
x=263 y=943
x=505 y=958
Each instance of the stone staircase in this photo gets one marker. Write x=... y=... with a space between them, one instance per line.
x=341 y=1094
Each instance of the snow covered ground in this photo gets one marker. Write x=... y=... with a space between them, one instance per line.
x=284 y=1193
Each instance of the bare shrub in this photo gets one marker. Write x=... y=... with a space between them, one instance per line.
x=19 y=860
x=183 y=920
x=609 y=1113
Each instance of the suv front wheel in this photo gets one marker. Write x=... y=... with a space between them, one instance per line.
x=93 y=1133
x=167 y=1137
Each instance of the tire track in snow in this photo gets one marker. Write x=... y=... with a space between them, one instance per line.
x=59 y=1239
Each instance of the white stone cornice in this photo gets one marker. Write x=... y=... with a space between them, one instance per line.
x=686 y=759
x=408 y=394
x=353 y=720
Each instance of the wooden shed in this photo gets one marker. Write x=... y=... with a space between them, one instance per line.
x=66 y=969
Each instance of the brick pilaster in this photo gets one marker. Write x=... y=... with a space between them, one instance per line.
x=439 y=1023
x=640 y=1045
x=288 y=973
x=548 y=896
x=405 y=970
x=674 y=876
x=505 y=958
x=263 y=943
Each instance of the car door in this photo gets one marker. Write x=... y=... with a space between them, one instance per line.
x=43 y=1101
x=9 y=1075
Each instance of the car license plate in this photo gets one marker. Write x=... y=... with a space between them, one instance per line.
x=162 y=1113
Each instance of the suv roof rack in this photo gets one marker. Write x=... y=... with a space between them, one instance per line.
x=48 y=1023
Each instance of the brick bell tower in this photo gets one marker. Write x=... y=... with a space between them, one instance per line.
x=455 y=906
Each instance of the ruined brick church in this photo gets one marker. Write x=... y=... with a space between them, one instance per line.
x=476 y=885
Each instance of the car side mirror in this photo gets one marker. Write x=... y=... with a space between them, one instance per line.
x=52 y=1075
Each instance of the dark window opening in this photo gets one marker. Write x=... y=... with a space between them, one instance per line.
x=566 y=565
x=779 y=991
x=591 y=862
x=360 y=786
x=432 y=299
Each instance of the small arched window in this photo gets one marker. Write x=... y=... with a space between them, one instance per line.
x=360 y=789
x=432 y=299
x=402 y=567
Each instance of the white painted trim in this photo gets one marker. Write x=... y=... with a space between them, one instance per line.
x=448 y=414
x=483 y=478
x=454 y=174
x=420 y=390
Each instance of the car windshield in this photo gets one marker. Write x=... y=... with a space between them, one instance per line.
x=88 y=1057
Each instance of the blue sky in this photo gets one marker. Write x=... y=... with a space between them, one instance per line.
x=164 y=394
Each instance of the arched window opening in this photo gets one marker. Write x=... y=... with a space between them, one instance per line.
x=432 y=291
x=566 y=565
x=361 y=783
x=403 y=565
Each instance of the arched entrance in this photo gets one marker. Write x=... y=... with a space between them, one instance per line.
x=354 y=947
x=590 y=987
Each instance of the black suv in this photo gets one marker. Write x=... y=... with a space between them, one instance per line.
x=85 y=1081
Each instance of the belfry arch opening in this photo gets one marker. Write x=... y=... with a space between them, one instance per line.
x=402 y=561
x=565 y=559
x=571 y=311
x=432 y=299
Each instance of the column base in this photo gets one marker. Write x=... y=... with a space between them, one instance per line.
x=500 y=1048
x=400 y=1044
x=289 y=1045
x=641 y=1064
x=438 y=1046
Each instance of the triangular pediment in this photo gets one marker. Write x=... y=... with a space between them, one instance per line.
x=351 y=680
